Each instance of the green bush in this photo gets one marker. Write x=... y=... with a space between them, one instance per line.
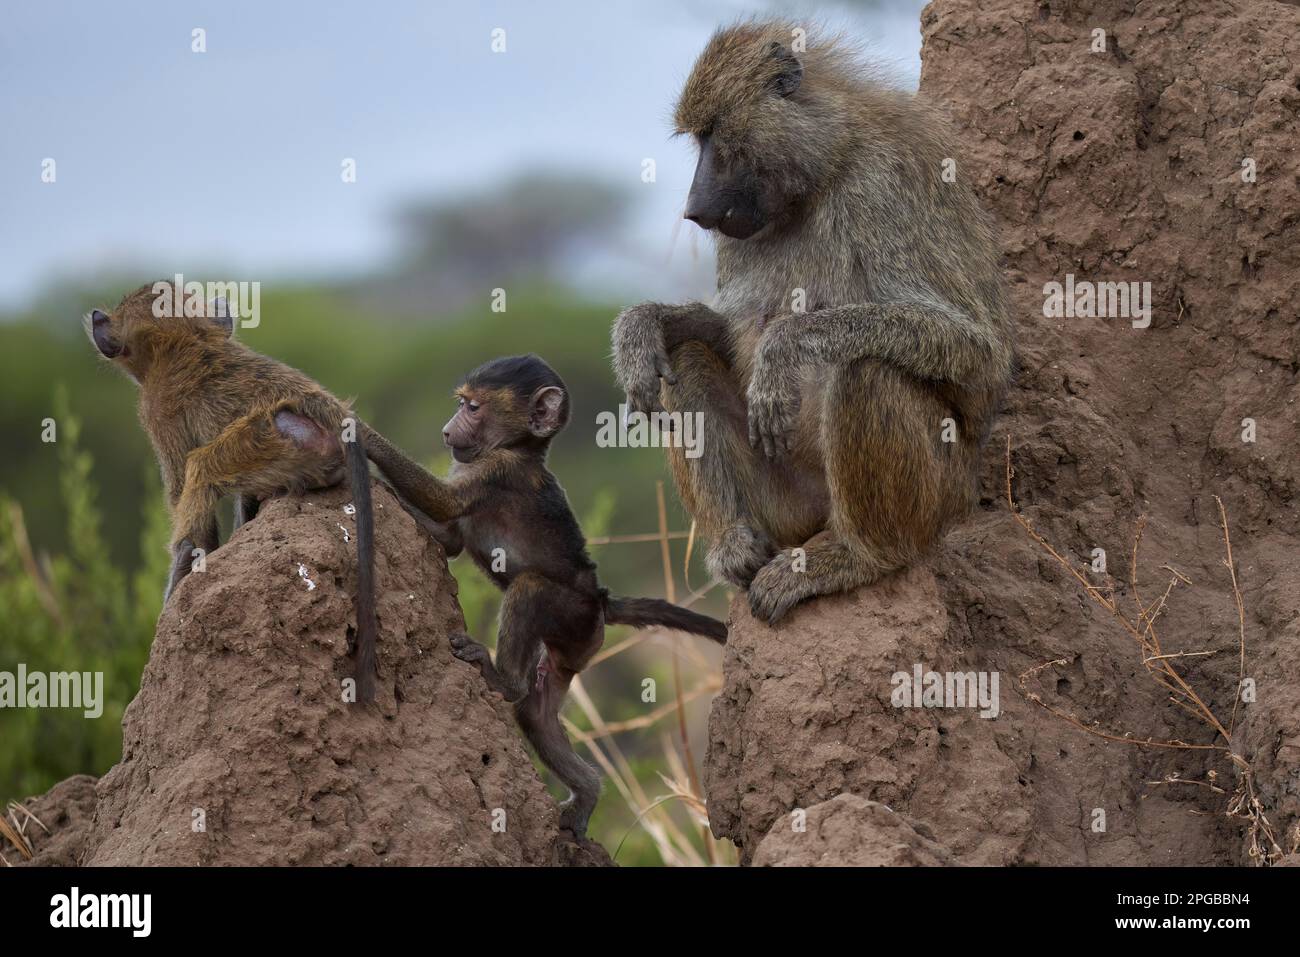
x=78 y=611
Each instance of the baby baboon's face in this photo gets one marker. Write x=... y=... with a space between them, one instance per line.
x=505 y=402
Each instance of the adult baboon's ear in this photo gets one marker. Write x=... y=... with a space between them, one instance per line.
x=220 y=313
x=548 y=411
x=789 y=69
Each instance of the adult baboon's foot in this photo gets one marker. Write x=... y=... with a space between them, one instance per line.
x=738 y=554
x=778 y=587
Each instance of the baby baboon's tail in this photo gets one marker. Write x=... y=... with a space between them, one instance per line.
x=642 y=612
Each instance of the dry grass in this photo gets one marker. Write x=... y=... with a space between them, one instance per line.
x=14 y=830
x=1162 y=667
x=678 y=844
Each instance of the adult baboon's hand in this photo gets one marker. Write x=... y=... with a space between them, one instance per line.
x=640 y=356
x=773 y=397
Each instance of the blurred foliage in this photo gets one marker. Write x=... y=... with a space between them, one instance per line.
x=83 y=528
x=524 y=226
x=534 y=227
x=77 y=611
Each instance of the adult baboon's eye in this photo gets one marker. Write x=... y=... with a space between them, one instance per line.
x=473 y=406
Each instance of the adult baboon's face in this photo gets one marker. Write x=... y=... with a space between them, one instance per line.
x=738 y=106
x=725 y=196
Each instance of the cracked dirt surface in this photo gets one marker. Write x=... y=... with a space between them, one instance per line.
x=1122 y=165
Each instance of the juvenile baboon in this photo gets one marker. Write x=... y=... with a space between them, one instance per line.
x=502 y=505
x=225 y=420
x=851 y=363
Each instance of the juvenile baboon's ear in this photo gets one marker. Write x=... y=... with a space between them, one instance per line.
x=219 y=312
x=548 y=411
x=790 y=70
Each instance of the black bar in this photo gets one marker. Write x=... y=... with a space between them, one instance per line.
x=211 y=906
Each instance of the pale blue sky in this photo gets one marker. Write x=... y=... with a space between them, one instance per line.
x=168 y=160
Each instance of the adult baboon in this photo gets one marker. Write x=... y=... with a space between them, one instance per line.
x=852 y=361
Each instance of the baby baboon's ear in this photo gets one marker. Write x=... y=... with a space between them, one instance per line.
x=548 y=411
x=219 y=312
x=790 y=70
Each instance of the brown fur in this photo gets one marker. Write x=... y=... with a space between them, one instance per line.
x=226 y=420
x=502 y=505
x=823 y=426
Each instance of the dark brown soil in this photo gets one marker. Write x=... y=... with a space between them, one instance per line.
x=240 y=720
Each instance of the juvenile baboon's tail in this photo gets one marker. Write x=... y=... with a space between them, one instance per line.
x=367 y=623
x=642 y=612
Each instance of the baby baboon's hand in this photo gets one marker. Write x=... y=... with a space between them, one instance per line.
x=640 y=356
x=773 y=397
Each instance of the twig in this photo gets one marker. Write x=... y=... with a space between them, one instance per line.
x=658 y=714
x=15 y=838
x=1241 y=612
x=642 y=537
x=22 y=543
x=670 y=590
x=1245 y=803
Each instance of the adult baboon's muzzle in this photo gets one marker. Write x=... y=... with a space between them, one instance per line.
x=725 y=202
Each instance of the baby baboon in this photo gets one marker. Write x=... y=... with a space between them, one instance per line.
x=854 y=356
x=224 y=419
x=503 y=505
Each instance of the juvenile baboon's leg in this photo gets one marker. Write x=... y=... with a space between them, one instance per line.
x=248 y=455
x=245 y=509
x=519 y=643
x=539 y=718
x=743 y=502
x=183 y=555
x=892 y=483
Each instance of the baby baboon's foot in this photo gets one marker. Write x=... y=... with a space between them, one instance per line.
x=738 y=554
x=574 y=815
x=471 y=652
x=467 y=649
x=777 y=588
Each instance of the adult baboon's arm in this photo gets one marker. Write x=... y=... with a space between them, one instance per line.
x=929 y=340
x=645 y=335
